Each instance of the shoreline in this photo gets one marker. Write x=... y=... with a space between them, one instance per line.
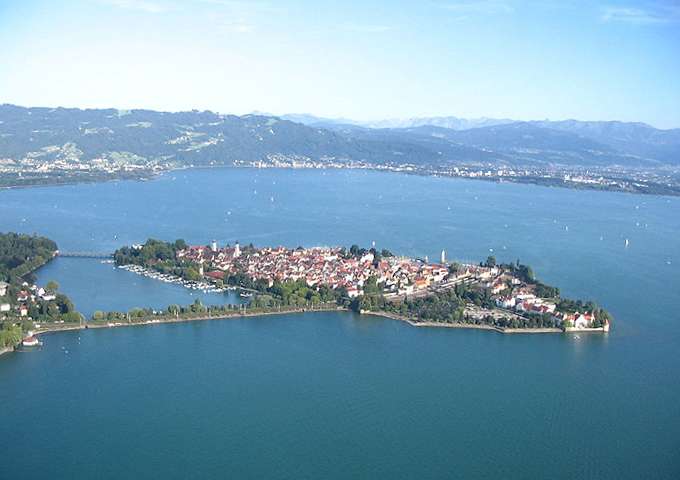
x=158 y=321
x=468 y=326
x=151 y=175
x=231 y=316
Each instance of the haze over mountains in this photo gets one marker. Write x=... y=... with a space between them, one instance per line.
x=451 y=122
x=208 y=138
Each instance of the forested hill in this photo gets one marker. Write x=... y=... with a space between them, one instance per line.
x=108 y=138
x=179 y=139
x=21 y=254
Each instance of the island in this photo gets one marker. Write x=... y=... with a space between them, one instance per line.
x=503 y=297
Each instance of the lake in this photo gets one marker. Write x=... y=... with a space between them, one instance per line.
x=334 y=395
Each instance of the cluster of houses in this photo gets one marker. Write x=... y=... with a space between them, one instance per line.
x=398 y=276
x=317 y=266
x=29 y=294
x=331 y=266
x=522 y=300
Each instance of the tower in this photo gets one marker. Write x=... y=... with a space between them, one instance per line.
x=443 y=259
x=213 y=246
x=237 y=250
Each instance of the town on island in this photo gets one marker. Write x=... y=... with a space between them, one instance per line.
x=503 y=297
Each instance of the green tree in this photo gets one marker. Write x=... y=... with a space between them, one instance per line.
x=174 y=309
x=53 y=310
x=192 y=274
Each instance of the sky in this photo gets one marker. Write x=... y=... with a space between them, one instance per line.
x=364 y=60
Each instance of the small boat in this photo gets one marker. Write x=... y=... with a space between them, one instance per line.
x=245 y=294
x=31 y=341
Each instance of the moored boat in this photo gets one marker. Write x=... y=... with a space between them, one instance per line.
x=31 y=341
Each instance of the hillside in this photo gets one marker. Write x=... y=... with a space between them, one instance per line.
x=111 y=140
x=144 y=137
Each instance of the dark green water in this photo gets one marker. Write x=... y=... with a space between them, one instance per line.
x=339 y=396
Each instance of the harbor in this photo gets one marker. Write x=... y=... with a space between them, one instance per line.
x=202 y=286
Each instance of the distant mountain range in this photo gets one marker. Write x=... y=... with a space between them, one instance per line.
x=207 y=138
x=453 y=123
x=568 y=141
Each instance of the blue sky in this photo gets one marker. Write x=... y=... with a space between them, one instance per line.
x=366 y=60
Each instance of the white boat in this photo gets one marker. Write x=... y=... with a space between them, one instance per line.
x=31 y=341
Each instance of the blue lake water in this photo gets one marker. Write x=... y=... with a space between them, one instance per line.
x=334 y=395
x=94 y=285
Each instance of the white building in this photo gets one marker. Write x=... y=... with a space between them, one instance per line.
x=506 y=302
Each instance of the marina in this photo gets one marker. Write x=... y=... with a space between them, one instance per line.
x=202 y=286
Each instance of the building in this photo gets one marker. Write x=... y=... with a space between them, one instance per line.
x=3 y=288
x=353 y=292
x=583 y=320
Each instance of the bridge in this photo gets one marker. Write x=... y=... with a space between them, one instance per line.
x=84 y=255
